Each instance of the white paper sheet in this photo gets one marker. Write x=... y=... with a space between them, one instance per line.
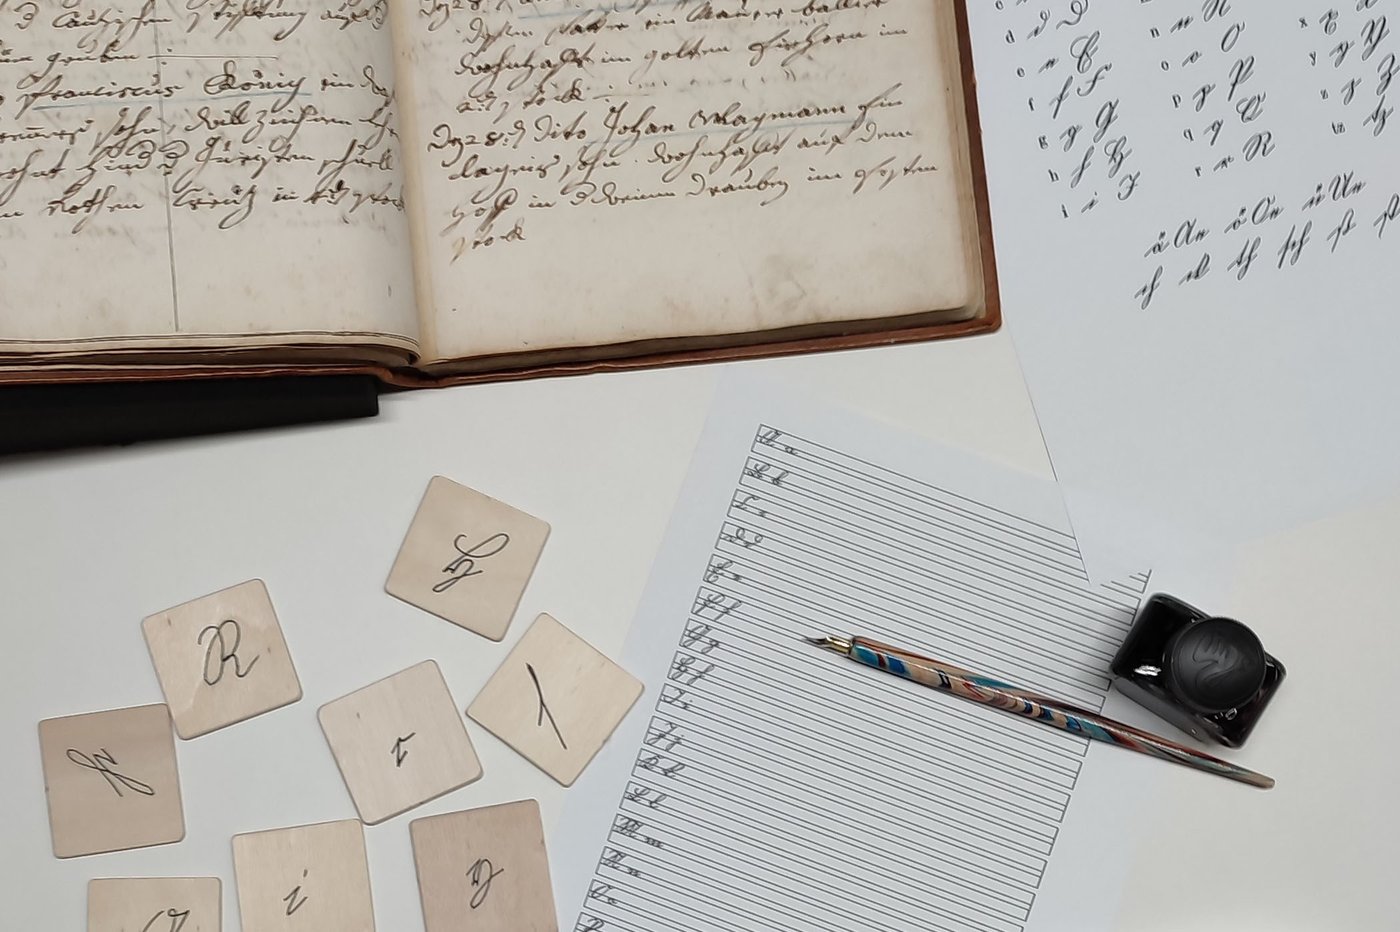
x=1195 y=207
x=762 y=784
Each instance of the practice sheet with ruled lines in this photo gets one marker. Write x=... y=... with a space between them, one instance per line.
x=765 y=785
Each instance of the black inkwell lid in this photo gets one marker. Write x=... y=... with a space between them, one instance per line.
x=1215 y=665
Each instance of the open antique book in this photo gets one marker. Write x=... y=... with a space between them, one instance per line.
x=450 y=189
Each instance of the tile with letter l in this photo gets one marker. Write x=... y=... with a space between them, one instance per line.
x=400 y=742
x=221 y=659
x=555 y=700
x=311 y=878
x=484 y=870
x=111 y=780
x=467 y=558
x=155 y=904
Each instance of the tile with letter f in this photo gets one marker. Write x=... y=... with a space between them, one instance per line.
x=221 y=659
x=467 y=558
x=555 y=700
x=111 y=780
x=310 y=878
x=484 y=870
x=155 y=904
x=400 y=742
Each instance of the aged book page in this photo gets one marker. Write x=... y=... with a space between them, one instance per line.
x=641 y=169
x=199 y=174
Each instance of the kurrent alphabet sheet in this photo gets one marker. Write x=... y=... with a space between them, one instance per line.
x=1195 y=206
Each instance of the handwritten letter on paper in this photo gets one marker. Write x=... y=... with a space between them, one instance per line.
x=185 y=153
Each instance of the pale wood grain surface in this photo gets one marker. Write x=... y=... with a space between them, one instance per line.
x=111 y=780
x=310 y=878
x=485 y=870
x=221 y=659
x=155 y=904
x=467 y=558
x=400 y=742
x=555 y=699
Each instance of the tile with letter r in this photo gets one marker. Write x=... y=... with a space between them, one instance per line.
x=484 y=870
x=311 y=878
x=155 y=904
x=111 y=780
x=400 y=742
x=221 y=659
x=555 y=700
x=467 y=558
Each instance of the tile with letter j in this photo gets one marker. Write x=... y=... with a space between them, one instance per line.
x=221 y=659
x=111 y=780
x=467 y=558
x=155 y=904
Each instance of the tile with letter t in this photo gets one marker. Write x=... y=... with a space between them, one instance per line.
x=311 y=878
x=467 y=558
x=555 y=700
x=484 y=870
x=155 y=904
x=111 y=780
x=221 y=659
x=400 y=742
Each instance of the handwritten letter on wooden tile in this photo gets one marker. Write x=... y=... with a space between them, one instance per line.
x=467 y=558
x=111 y=780
x=400 y=742
x=312 y=878
x=555 y=700
x=155 y=904
x=485 y=870
x=221 y=659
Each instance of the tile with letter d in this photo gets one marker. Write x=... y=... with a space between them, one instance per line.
x=221 y=659
x=484 y=870
x=155 y=904
x=311 y=878
x=555 y=700
x=467 y=558
x=400 y=742
x=111 y=780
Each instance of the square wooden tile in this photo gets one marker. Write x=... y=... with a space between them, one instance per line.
x=400 y=742
x=312 y=878
x=221 y=659
x=555 y=699
x=155 y=904
x=484 y=870
x=467 y=558
x=111 y=780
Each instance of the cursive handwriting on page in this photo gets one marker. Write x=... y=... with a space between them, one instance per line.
x=686 y=139
x=187 y=154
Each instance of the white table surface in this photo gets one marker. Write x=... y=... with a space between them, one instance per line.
x=92 y=542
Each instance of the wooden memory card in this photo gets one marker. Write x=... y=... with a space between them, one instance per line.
x=467 y=558
x=111 y=780
x=155 y=904
x=400 y=742
x=221 y=659
x=485 y=870
x=311 y=878
x=555 y=700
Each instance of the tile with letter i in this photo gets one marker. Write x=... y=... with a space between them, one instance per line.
x=155 y=904
x=111 y=780
x=555 y=700
x=400 y=742
x=311 y=878
x=484 y=870
x=221 y=659
x=467 y=558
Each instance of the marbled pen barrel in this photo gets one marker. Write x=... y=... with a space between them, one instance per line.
x=1043 y=709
